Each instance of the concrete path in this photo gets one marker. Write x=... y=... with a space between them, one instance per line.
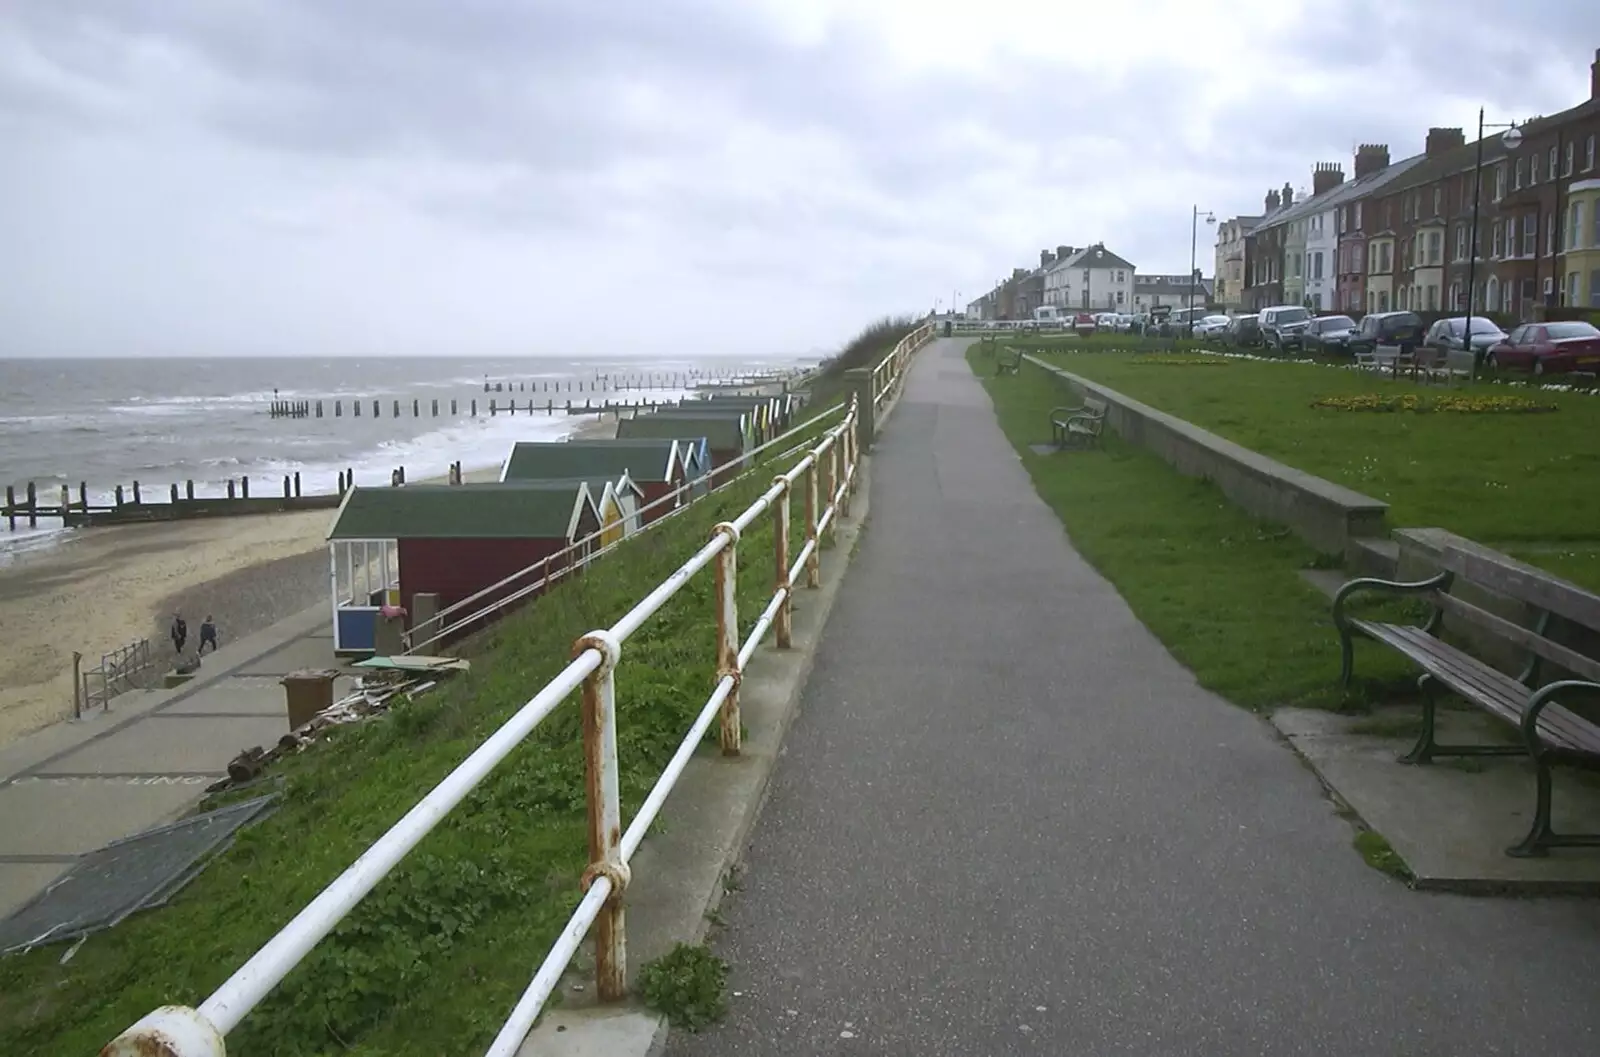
x=75 y=786
x=1007 y=822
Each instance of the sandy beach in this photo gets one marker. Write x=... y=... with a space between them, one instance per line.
x=105 y=588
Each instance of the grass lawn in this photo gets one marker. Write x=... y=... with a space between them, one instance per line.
x=1221 y=590
x=1526 y=483
x=436 y=956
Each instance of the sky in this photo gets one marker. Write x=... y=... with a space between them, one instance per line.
x=660 y=177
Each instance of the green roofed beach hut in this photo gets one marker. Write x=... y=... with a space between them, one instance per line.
x=657 y=466
x=725 y=437
x=389 y=545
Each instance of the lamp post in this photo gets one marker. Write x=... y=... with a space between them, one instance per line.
x=1511 y=139
x=1194 y=243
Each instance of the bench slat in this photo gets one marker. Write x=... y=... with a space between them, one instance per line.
x=1527 y=638
x=1507 y=576
x=1488 y=688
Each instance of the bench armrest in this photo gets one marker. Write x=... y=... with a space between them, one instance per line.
x=1067 y=411
x=1541 y=698
x=1372 y=583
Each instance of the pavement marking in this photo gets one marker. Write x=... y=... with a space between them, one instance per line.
x=119 y=778
x=266 y=710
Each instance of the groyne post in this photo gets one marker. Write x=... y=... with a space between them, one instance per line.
x=11 y=505
x=174 y=493
x=138 y=499
x=33 y=506
x=287 y=486
x=188 y=489
x=297 y=484
x=474 y=407
x=230 y=488
x=452 y=409
x=244 y=487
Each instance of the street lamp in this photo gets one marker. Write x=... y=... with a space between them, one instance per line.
x=1511 y=139
x=1194 y=241
x=1088 y=274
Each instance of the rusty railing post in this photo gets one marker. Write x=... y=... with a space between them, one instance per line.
x=830 y=484
x=781 y=626
x=605 y=813
x=728 y=634
x=849 y=459
x=813 y=563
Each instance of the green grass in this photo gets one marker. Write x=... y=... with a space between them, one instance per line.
x=1521 y=482
x=436 y=956
x=1221 y=590
x=1377 y=853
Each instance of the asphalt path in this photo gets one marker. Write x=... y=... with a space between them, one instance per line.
x=1007 y=822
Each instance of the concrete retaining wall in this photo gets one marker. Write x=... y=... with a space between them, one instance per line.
x=1326 y=515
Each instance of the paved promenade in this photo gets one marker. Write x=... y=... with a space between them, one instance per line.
x=1007 y=822
x=75 y=786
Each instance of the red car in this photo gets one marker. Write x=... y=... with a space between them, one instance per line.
x=1083 y=323
x=1548 y=348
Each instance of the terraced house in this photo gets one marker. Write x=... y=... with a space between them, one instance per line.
x=1400 y=236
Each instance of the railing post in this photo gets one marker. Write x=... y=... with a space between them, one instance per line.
x=781 y=627
x=813 y=561
x=605 y=813
x=728 y=634
x=830 y=483
x=844 y=470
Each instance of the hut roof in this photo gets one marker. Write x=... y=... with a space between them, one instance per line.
x=485 y=510
x=646 y=460
x=720 y=431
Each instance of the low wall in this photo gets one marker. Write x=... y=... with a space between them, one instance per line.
x=186 y=509
x=1326 y=515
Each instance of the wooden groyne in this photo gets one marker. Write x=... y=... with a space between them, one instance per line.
x=136 y=504
x=452 y=408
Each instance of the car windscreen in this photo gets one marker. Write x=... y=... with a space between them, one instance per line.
x=1335 y=323
x=1571 y=330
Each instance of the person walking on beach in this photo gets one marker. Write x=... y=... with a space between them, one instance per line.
x=179 y=633
x=208 y=636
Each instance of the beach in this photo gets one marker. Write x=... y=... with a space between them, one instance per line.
x=101 y=589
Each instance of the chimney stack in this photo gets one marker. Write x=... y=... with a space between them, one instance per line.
x=1063 y=252
x=1371 y=158
x=1441 y=140
x=1288 y=195
x=1046 y=258
x=1594 y=76
x=1326 y=176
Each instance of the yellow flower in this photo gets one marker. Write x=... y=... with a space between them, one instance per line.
x=1419 y=403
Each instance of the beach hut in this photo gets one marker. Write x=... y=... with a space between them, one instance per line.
x=773 y=412
x=654 y=467
x=748 y=419
x=388 y=545
x=617 y=499
x=725 y=438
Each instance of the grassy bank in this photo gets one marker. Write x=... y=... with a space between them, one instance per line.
x=867 y=349
x=436 y=956
x=1221 y=590
x=1521 y=482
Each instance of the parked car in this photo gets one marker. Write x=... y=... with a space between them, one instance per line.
x=1083 y=323
x=1548 y=348
x=1447 y=335
x=1242 y=332
x=1209 y=328
x=1328 y=334
x=1283 y=325
x=1387 y=328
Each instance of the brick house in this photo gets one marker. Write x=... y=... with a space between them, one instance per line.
x=1542 y=219
x=1263 y=281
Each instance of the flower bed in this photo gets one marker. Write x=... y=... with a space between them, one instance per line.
x=1159 y=360
x=1422 y=403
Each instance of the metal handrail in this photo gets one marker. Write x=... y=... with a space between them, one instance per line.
x=179 y=1031
x=554 y=568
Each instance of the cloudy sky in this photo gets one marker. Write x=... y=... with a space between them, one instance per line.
x=487 y=177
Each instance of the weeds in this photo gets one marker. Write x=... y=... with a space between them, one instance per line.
x=687 y=985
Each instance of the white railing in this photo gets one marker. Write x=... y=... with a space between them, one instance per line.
x=519 y=585
x=891 y=370
x=828 y=473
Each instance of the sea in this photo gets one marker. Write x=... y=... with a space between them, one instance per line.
x=111 y=422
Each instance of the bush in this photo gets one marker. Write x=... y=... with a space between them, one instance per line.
x=870 y=346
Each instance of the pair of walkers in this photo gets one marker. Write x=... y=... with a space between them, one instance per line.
x=179 y=632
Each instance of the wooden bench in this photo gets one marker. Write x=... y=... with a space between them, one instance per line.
x=1550 y=733
x=1009 y=362
x=1078 y=427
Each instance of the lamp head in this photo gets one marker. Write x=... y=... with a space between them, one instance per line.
x=1511 y=139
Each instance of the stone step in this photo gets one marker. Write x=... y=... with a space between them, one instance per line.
x=1372 y=556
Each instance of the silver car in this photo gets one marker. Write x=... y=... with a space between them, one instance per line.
x=1447 y=334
